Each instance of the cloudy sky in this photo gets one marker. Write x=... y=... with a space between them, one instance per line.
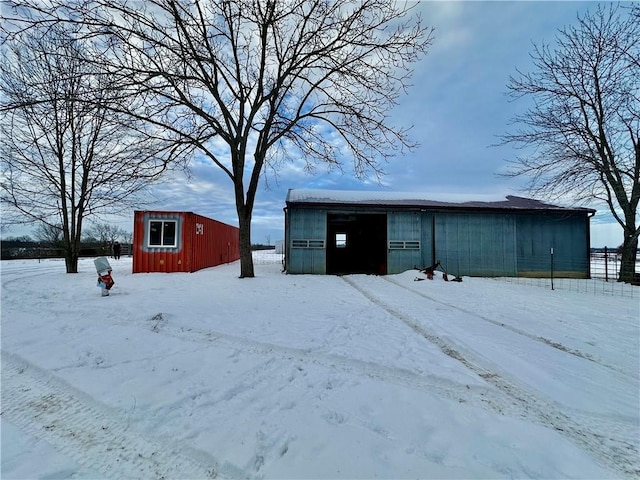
x=457 y=106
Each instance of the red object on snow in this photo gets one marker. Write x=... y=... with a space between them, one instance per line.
x=107 y=280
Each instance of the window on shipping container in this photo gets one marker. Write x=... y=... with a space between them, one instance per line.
x=162 y=233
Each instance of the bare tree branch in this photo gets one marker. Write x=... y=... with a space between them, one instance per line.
x=584 y=123
x=251 y=83
x=70 y=147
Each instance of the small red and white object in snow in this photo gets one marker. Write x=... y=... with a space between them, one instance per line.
x=105 y=280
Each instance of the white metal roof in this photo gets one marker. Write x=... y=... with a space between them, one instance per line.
x=412 y=199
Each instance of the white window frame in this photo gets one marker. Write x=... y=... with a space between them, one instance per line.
x=162 y=244
x=342 y=241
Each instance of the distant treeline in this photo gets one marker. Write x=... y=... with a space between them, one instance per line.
x=16 y=249
x=259 y=246
x=19 y=248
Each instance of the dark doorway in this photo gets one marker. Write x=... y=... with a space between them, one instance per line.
x=357 y=243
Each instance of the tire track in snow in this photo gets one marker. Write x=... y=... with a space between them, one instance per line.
x=47 y=408
x=621 y=455
x=473 y=394
x=551 y=343
x=12 y=275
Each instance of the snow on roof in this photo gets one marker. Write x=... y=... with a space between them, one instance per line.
x=411 y=199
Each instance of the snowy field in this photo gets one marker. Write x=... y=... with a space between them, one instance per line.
x=206 y=375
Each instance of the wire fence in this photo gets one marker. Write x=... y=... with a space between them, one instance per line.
x=605 y=269
x=268 y=257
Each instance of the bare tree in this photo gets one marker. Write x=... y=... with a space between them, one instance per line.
x=68 y=150
x=49 y=234
x=106 y=233
x=253 y=83
x=21 y=238
x=584 y=122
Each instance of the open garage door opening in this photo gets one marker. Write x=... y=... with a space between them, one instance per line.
x=357 y=243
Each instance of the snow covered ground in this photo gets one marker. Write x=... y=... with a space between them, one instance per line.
x=281 y=376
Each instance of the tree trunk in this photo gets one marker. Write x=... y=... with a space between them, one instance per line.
x=629 y=254
x=71 y=255
x=246 y=256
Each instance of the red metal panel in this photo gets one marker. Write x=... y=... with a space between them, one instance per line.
x=203 y=242
x=214 y=243
x=138 y=232
x=188 y=241
x=158 y=259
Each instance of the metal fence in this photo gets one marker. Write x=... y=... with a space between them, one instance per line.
x=606 y=265
x=268 y=257
x=604 y=274
x=605 y=268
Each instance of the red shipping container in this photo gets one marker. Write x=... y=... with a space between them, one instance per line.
x=181 y=242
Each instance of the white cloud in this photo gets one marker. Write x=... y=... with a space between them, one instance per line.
x=456 y=104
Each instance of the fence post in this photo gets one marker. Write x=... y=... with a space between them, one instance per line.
x=606 y=264
x=552 y=268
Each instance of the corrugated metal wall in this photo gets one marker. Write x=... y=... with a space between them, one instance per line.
x=566 y=234
x=214 y=243
x=147 y=258
x=470 y=243
x=426 y=239
x=201 y=242
x=305 y=225
x=404 y=227
x=478 y=244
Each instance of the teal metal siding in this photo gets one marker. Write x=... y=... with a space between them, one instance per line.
x=478 y=244
x=566 y=234
x=468 y=243
x=307 y=224
x=403 y=227
x=426 y=239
